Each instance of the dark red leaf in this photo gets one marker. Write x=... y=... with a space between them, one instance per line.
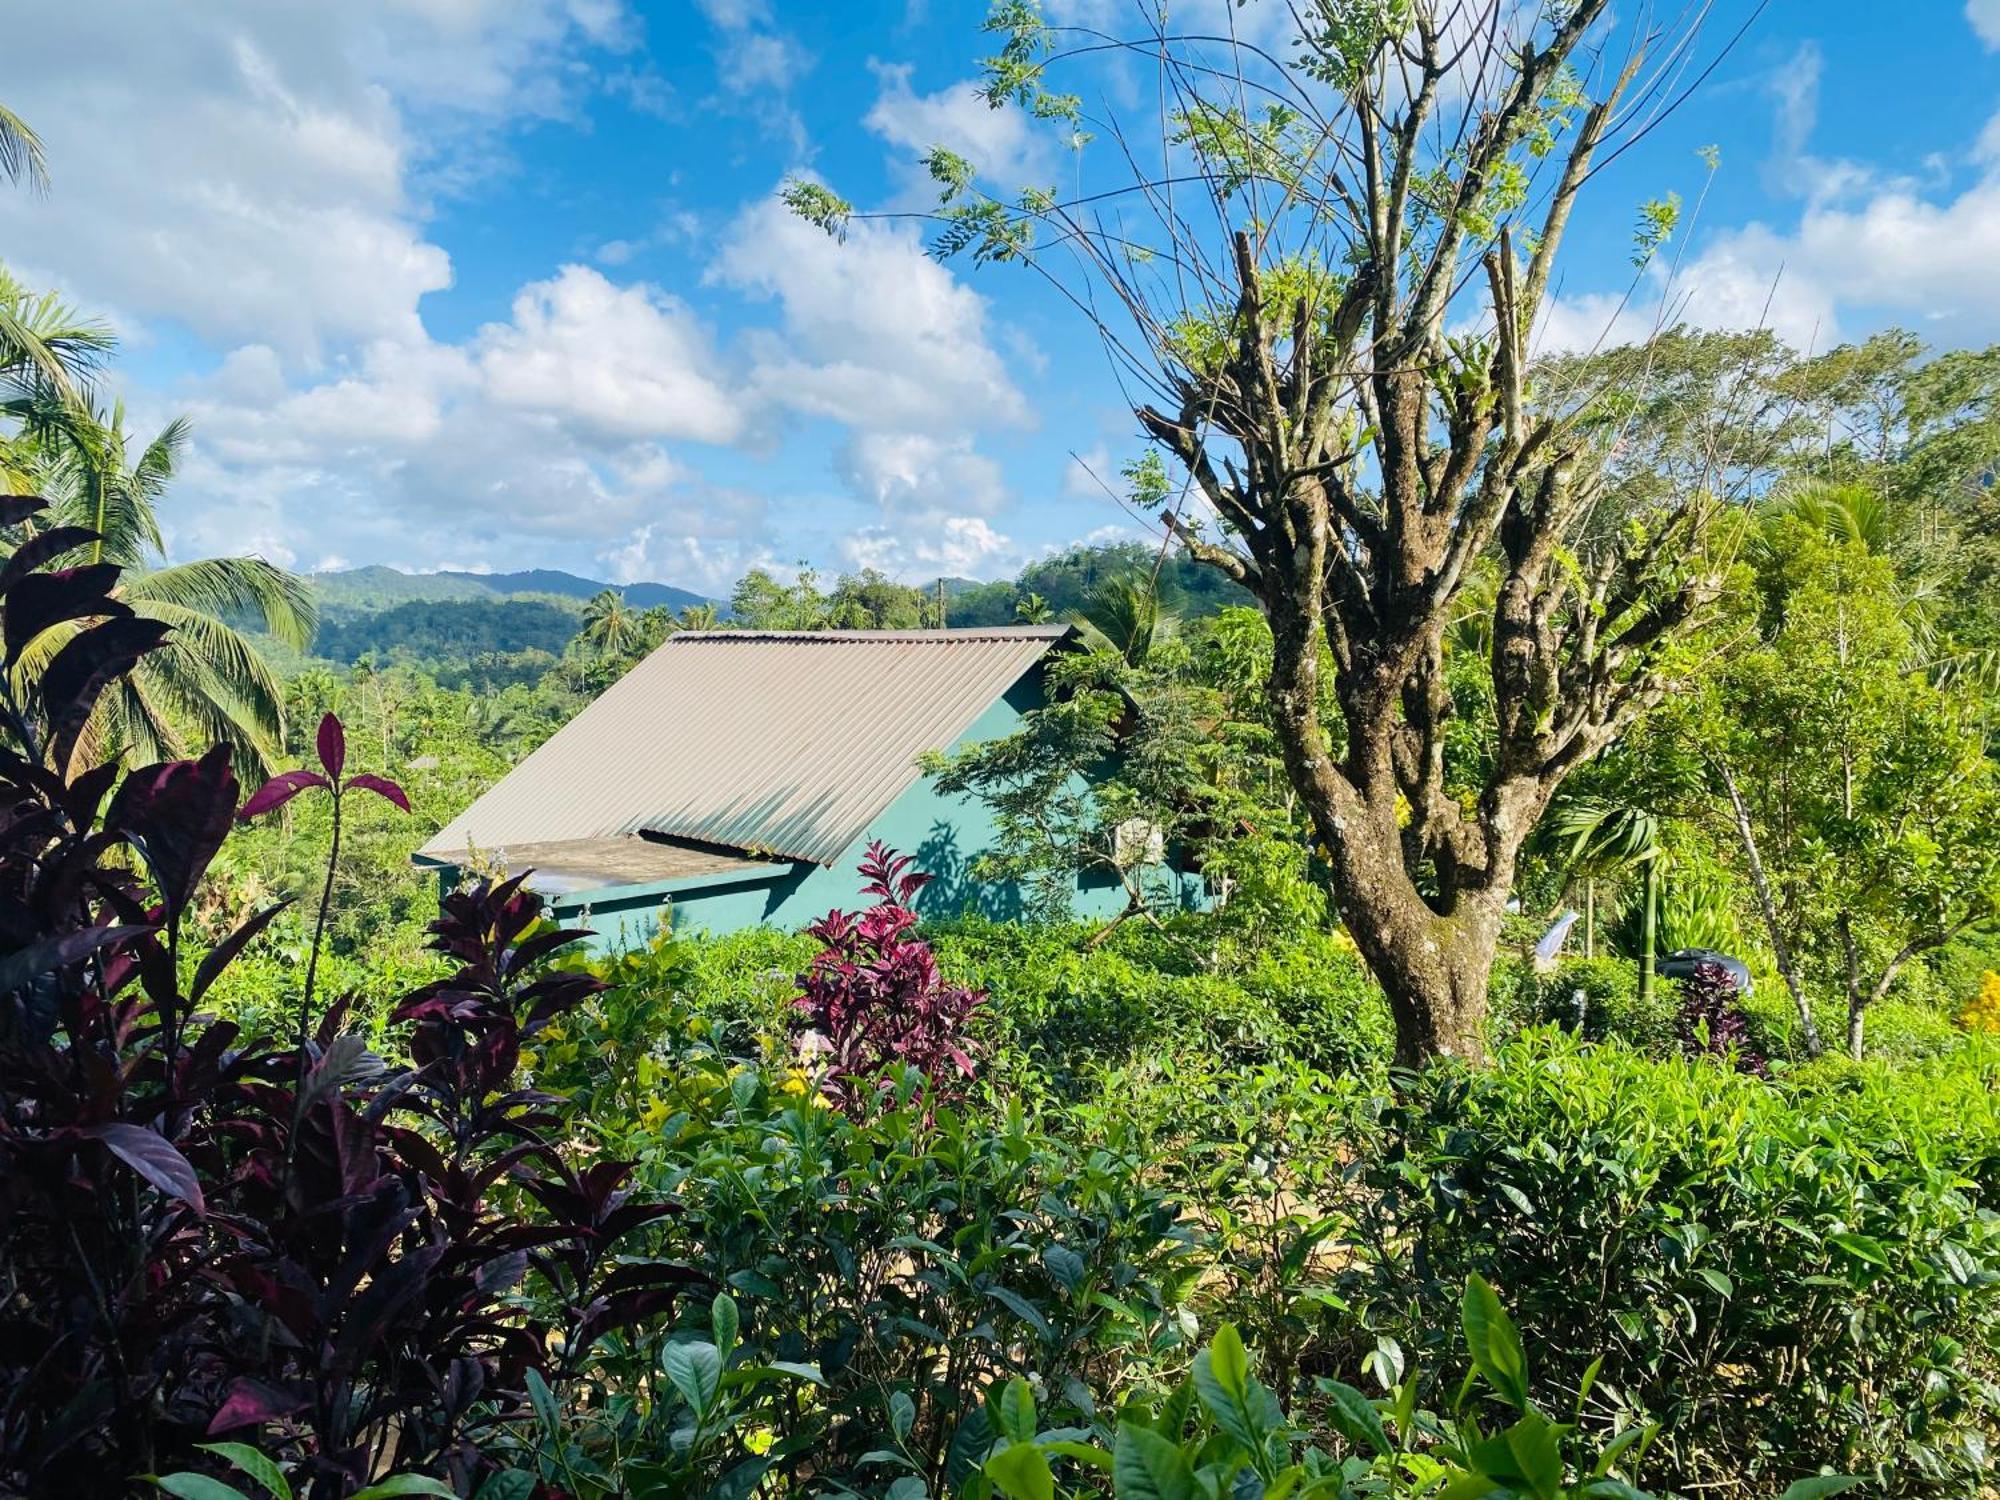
x=332 y=747
x=41 y=548
x=39 y=600
x=250 y=1402
x=81 y=671
x=56 y=952
x=278 y=791
x=154 y=1158
x=382 y=787
x=14 y=509
x=177 y=814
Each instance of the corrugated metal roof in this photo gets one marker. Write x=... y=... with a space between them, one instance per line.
x=781 y=743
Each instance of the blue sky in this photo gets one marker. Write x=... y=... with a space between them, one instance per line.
x=501 y=283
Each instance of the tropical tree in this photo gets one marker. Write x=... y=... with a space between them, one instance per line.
x=1862 y=794
x=1032 y=609
x=698 y=617
x=48 y=352
x=611 y=627
x=1603 y=839
x=210 y=684
x=1124 y=615
x=1321 y=279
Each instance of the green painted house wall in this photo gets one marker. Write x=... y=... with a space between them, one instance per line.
x=945 y=833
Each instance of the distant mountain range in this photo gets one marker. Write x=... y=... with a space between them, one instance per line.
x=378 y=588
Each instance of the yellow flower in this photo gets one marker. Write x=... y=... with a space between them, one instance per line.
x=795 y=1082
x=1982 y=1012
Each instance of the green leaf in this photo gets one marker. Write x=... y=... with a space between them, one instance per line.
x=255 y=1464
x=1088 y=1453
x=1354 y=1417
x=1065 y=1266
x=1145 y=1466
x=1229 y=1361
x=1536 y=1444
x=1022 y=1472
x=902 y=1413
x=741 y=1480
x=1819 y=1484
x=544 y=1402
x=1861 y=1247
x=508 y=1484
x=723 y=1319
x=696 y=1371
x=1493 y=1343
x=198 y=1487
x=1012 y=1408
x=405 y=1484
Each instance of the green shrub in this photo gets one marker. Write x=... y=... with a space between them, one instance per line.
x=912 y=1259
x=1783 y=1276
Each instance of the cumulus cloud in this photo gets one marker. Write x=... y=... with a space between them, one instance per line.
x=955 y=547
x=914 y=473
x=1985 y=18
x=257 y=186
x=620 y=362
x=1002 y=144
x=874 y=332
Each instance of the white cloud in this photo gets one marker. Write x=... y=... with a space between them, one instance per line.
x=875 y=332
x=916 y=474
x=955 y=547
x=1002 y=144
x=245 y=171
x=621 y=362
x=1985 y=18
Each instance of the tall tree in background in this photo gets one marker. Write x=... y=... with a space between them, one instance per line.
x=1861 y=792
x=1320 y=271
x=611 y=627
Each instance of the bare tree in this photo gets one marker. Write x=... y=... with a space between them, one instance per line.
x=1319 y=276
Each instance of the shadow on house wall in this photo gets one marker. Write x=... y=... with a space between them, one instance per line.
x=954 y=890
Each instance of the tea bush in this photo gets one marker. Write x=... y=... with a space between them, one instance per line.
x=1782 y=1276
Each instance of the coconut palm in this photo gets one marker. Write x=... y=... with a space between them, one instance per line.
x=1125 y=615
x=698 y=617
x=47 y=355
x=21 y=157
x=209 y=683
x=611 y=627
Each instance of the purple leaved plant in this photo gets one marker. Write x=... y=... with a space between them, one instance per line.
x=873 y=998
x=280 y=1241
x=1711 y=1024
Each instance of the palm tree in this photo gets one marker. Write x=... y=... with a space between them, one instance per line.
x=210 y=683
x=47 y=354
x=611 y=627
x=1845 y=512
x=21 y=155
x=1032 y=609
x=1125 y=615
x=698 y=617
x=1608 y=838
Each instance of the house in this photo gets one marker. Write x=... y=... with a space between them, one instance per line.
x=735 y=777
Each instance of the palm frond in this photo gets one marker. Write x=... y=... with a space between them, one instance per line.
x=22 y=157
x=233 y=586
x=214 y=681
